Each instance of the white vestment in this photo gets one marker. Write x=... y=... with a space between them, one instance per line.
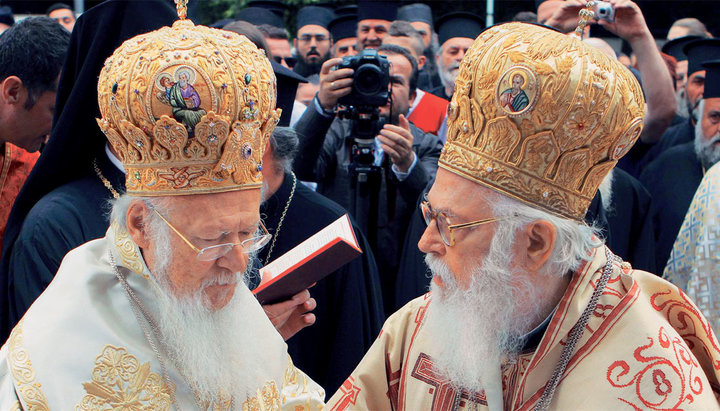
x=80 y=345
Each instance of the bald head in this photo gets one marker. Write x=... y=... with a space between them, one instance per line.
x=601 y=45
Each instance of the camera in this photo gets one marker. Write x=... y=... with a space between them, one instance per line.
x=371 y=79
x=604 y=11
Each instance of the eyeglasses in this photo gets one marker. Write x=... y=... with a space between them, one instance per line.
x=307 y=38
x=290 y=61
x=447 y=230
x=216 y=251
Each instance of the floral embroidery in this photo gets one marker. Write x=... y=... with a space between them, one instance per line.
x=269 y=396
x=120 y=381
x=664 y=380
x=180 y=177
x=22 y=370
x=128 y=250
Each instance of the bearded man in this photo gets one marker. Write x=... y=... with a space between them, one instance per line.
x=527 y=306
x=673 y=178
x=313 y=41
x=155 y=315
x=456 y=32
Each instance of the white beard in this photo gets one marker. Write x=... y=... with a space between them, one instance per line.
x=707 y=150
x=212 y=349
x=449 y=74
x=480 y=328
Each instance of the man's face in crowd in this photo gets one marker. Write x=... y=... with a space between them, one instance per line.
x=694 y=91
x=681 y=69
x=406 y=43
x=345 y=47
x=425 y=31
x=280 y=48
x=64 y=17
x=206 y=220
x=313 y=44
x=26 y=128
x=371 y=32
x=306 y=92
x=400 y=72
x=707 y=132
x=451 y=54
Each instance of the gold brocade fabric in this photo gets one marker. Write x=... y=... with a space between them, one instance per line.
x=646 y=346
x=540 y=117
x=188 y=110
x=80 y=346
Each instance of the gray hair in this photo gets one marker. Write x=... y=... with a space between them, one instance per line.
x=284 y=143
x=401 y=28
x=154 y=226
x=573 y=245
x=695 y=27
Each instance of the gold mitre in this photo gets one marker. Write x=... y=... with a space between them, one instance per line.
x=541 y=117
x=188 y=110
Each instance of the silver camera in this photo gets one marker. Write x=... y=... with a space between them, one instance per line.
x=604 y=11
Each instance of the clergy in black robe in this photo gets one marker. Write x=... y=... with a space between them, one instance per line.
x=672 y=180
x=624 y=222
x=65 y=218
x=349 y=313
x=680 y=133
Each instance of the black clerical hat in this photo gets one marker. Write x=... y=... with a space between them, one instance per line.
x=320 y=16
x=6 y=16
x=458 y=24
x=675 y=46
x=700 y=51
x=416 y=12
x=377 y=10
x=349 y=9
x=343 y=27
x=712 y=79
x=259 y=15
x=276 y=6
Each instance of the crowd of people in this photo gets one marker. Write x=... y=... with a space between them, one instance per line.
x=539 y=211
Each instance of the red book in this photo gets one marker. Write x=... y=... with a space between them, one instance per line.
x=310 y=261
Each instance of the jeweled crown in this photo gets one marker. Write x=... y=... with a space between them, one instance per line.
x=541 y=117
x=188 y=109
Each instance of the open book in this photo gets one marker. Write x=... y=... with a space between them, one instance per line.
x=310 y=261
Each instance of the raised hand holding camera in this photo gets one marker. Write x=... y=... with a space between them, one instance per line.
x=334 y=83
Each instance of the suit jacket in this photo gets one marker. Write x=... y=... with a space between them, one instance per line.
x=324 y=157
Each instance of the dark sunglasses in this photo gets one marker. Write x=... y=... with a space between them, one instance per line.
x=290 y=61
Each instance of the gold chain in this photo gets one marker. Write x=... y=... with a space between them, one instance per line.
x=282 y=218
x=586 y=14
x=181 y=6
x=104 y=180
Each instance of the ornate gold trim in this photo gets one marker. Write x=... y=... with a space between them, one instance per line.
x=128 y=250
x=22 y=370
x=120 y=381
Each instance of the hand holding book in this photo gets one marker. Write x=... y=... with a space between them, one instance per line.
x=309 y=262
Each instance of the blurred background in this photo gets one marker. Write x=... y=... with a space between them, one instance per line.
x=660 y=14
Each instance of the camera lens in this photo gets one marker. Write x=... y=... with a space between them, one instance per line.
x=367 y=79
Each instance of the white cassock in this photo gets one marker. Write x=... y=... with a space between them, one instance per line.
x=80 y=345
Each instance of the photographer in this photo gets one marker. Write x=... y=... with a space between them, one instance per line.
x=407 y=156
